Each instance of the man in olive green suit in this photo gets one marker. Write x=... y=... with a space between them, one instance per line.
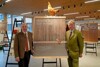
x=74 y=44
x=23 y=46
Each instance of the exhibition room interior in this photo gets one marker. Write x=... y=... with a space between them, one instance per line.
x=47 y=20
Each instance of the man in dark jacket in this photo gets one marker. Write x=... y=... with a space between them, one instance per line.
x=23 y=46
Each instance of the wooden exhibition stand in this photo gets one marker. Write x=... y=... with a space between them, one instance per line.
x=90 y=33
x=46 y=29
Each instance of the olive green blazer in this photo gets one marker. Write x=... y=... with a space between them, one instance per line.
x=19 y=44
x=74 y=44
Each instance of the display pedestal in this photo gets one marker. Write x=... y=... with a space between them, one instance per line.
x=91 y=47
x=46 y=62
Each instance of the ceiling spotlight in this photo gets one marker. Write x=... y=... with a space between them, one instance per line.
x=68 y=6
x=84 y=12
x=95 y=11
x=81 y=4
x=63 y=7
x=38 y=12
x=80 y=13
x=74 y=6
x=97 y=16
x=41 y=11
x=89 y=12
x=35 y=12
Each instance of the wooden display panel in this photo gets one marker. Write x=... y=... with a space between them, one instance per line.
x=90 y=32
x=49 y=28
x=99 y=32
x=85 y=31
x=93 y=32
x=46 y=29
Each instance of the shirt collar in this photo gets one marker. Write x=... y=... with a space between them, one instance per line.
x=25 y=32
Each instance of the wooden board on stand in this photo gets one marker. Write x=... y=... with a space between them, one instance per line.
x=90 y=34
x=46 y=29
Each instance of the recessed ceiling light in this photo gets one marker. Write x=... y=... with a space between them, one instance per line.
x=81 y=16
x=71 y=13
x=26 y=13
x=7 y=1
x=98 y=10
x=89 y=18
x=90 y=1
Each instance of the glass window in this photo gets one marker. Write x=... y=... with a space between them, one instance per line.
x=29 y=23
x=10 y=22
x=9 y=25
x=1 y=17
x=18 y=24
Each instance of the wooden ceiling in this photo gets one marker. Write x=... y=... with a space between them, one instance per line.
x=17 y=7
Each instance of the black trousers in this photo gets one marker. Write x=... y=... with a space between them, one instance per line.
x=24 y=62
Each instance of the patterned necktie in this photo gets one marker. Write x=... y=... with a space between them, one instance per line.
x=70 y=34
x=26 y=45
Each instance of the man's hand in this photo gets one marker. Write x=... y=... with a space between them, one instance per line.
x=17 y=59
x=58 y=40
x=32 y=52
x=80 y=55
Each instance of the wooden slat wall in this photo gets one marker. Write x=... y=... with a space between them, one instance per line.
x=49 y=28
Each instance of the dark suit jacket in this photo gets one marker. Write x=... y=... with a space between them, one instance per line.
x=75 y=43
x=19 y=44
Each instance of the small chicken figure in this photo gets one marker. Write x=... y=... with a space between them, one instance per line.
x=51 y=10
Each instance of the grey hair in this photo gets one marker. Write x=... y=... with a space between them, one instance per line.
x=23 y=24
x=71 y=22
